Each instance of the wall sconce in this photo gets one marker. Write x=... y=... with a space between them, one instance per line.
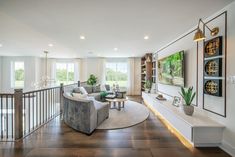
x=199 y=35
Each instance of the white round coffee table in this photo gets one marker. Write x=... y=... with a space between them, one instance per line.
x=117 y=103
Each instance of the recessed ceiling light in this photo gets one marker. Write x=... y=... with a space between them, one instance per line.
x=50 y=45
x=82 y=37
x=146 y=37
x=0 y=45
x=115 y=49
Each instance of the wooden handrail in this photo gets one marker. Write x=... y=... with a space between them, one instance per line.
x=38 y=90
x=6 y=94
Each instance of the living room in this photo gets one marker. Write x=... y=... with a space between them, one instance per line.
x=110 y=78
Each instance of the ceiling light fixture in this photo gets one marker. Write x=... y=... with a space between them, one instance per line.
x=82 y=37
x=50 y=45
x=115 y=49
x=146 y=37
x=199 y=35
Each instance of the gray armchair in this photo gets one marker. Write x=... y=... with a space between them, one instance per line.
x=84 y=115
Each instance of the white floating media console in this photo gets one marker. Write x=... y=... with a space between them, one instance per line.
x=198 y=129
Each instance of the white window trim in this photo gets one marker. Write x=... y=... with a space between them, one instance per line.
x=67 y=74
x=12 y=76
x=116 y=61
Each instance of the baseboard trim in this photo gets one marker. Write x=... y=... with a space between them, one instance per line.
x=228 y=148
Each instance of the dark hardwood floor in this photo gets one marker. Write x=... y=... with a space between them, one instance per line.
x=148 y=139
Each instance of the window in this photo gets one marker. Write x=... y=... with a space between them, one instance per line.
x=116 y=72
x=64 y=73
x=17 y=75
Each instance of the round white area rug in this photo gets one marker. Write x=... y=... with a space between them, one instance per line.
x=132 y=114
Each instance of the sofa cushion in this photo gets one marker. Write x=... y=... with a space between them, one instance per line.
x=76 y=90
x=79 y=95
x=93 y=94
x=98 y=105
x=103 y=88
x=88 y=89
x=102 y=111
x=107 y=87
x=96 y=89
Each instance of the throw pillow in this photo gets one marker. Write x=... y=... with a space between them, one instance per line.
x=79 y=96
x=107 y=87
x=76 y=90
x=96 y=89
x=88 y=89
x=102 y=88
x=83 y=90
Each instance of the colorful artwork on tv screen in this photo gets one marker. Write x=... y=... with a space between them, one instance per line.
x=171 y=69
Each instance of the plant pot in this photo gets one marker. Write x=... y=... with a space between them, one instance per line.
x=188 y=109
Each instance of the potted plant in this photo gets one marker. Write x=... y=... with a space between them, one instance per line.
x=103 y=95
x=92 y=80
x=188 y=96
x=147 y=86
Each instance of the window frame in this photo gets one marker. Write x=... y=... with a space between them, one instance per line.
x=67 y=71
x=116 y=62
x=13 y=70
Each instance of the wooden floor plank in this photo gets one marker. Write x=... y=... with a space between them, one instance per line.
x=150 y=138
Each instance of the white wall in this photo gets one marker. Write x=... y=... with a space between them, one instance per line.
x=1 y=74
x=229 y=133
x=30 y=73
x=92 y=66
x=190 y=50
x=189 y=46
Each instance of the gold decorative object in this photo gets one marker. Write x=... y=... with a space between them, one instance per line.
x=213 y=46
x=212 y=68
x=211 y=87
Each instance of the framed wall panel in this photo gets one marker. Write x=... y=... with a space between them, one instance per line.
x=215 y=67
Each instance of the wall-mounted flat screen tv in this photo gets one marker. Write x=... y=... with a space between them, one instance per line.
x=171 y=69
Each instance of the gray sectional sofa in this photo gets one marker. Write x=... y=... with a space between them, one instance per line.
x=84 y=115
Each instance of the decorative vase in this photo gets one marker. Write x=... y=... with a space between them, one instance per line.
x=188 y=109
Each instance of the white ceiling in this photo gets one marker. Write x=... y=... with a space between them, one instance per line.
x=28 y=26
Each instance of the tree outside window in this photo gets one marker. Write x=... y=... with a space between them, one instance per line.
x=64 y=73
x=18 y=75
x=116 y=73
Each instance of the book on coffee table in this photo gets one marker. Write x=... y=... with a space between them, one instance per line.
x=110 y=96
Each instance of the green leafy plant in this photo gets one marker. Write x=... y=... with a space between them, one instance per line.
x=148 y=84
x=92 y=80
x=187 y=95
x=103 y=95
